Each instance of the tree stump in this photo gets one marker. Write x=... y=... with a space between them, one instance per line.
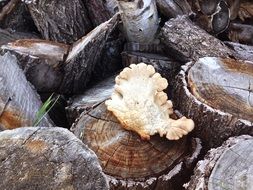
x=226 y=167
x=128 y=161
x=42 y=159
x=217 y=94
x=19 y=102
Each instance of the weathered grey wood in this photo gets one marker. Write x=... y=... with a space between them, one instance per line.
x=172 y=9
x=89 y=99
x=213 y=125
x=7 y=36
x=226 y=167
x=19 y=102
x=241 y=33
x=132 y=163
x=185 y=41
x=42 y=159
x=244 y=51
x=83 y=56
x=40 y=60
x=62 y=21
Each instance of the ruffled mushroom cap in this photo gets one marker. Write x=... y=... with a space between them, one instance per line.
x=139 y=103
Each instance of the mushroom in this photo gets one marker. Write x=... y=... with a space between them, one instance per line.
x=140 y=105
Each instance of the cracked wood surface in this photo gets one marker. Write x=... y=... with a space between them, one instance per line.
x=226 y=167
x=224 y=84
x=47 y=158
x=19 y=102
x=129 y=161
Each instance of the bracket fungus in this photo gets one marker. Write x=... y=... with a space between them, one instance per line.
x=139 y=103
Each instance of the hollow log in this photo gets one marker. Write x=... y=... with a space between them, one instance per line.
x=53 y=158
x=59 y=20
x=83 y=56
x=132 y=163
x=185 y=41
x=40 y=60
x=19 y=102
x=226 y=167
x=217 y=94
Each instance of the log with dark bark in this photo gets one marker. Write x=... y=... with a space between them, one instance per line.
x=172 y=9
x=83 y=56
x=226 y=167
x=19 y=102
x=244 y=51
x=42 y=159
x=217 y=94
x=132 y=163
x=241 y=33
x=62 y=21
x=7 y=36
x=186 y=41
x=41 y=61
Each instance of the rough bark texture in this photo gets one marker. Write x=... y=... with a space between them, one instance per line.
x=172 y=9
x=226 y=167
x=7 y=36
x=43 y=159
x=40 y=60
x=19 y=102
x=89 y=99
x=83 y=57
x=212 y=125
x=128 y=161
x=186 y=41
x=244 y=51
x=62 y=21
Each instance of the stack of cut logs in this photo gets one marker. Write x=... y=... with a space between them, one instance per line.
x=76 y=48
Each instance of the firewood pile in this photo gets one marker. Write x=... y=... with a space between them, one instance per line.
x=120 y=94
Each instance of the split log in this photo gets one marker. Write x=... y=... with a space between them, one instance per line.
x=242 y=33
x=97 y=11
x=89 y=99
x=18 y=17
x=53 y=158
x=217 y=94
x=83 y=56
x=128 y=161
x=226 y=167
x=19 y=102
x=59 y=20
x=244 y=51
x=41 y=61
x=171 y=9
x=7 y=36
x=185 y=41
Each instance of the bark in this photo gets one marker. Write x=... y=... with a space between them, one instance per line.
x=185 y=41
x=226 y=167
x=83 y=56
x=8 y=8
x=172 y=9
x=244 y=51
x=53 y=158
x=62 y=21
x=210 y=92
x=7 y=36
x=140 y=20
x=41 y=61
x=241 y=33
x=128 y=161
x=19 y=102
